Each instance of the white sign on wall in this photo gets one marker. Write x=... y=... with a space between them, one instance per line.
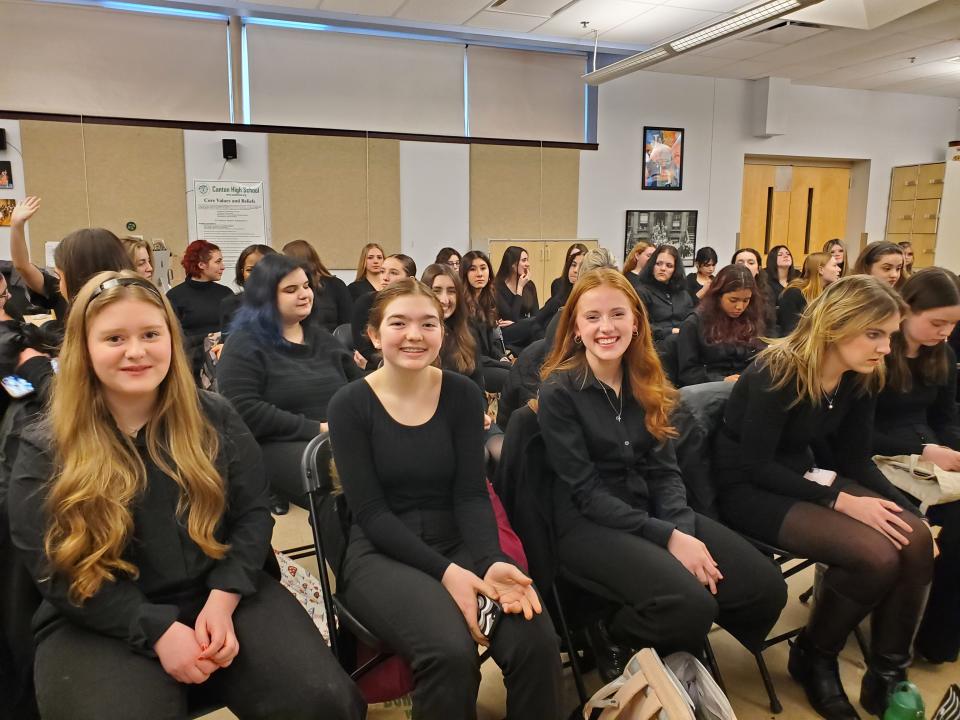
x=230 y=215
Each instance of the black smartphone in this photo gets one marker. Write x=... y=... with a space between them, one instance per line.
x=488 y=614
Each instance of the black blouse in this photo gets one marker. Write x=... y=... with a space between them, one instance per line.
x=618 y=474
x=792 y=305
x=906 y=421
x=332 y=303
x=512 y=306
x=174 y=572
x=768 y=438
x=360 y=287
x=693 y=287
x=702 y=362
x=388 y=469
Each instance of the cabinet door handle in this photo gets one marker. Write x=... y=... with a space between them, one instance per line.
x=905 y=217
x=928 y=251
x=930 y=216
x=909 y=183
x=935 y=181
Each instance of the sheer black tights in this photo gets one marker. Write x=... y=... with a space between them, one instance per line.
x=862 y=563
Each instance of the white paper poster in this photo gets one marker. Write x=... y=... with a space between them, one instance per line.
x=230 y=215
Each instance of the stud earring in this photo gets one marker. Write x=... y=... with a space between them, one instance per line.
x=577 y=340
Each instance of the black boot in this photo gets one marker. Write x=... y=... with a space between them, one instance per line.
x=612 y=657
x=813 y=657
x=893 y=627
x=278 y=505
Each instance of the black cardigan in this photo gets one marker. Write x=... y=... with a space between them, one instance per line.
x=668 y=306
x=906 y=421
x=282 y=392
x=702 y=362
x=175 y=575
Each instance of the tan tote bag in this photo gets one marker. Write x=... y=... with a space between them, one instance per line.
x=921 y=479
x=647 y=690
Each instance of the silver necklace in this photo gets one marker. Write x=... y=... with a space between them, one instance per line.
x=617 y=413
x=830 y=398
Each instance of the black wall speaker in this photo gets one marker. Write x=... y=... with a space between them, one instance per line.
x=3 y=139
x=229 y=149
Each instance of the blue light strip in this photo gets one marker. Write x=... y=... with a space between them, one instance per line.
x=245 y=74
x=159 y=10
x=298 y=25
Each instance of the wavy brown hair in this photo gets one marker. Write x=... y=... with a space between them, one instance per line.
x=847 y=308
x=481 y=304
x=873 y=253
x=641 y=364
x=99 y=473
x=718 y=327
x=307 y=254
x=459 y=351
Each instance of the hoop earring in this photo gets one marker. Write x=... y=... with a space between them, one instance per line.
x=636 y=332
x=577 y=340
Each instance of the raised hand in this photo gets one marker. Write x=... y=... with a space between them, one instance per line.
x=24 y=211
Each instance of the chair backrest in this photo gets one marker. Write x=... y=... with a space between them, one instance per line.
x=344 y=333
x=697 y=418
x=315 y=465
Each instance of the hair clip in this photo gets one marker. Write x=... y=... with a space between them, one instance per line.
x=123 y=282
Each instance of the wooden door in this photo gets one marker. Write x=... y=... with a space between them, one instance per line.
x=798 y=206
x=930 y=180
x=924 y=248
x=556 y=256
x=925 y=216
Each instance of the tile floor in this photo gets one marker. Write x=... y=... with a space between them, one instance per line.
x=739 y=671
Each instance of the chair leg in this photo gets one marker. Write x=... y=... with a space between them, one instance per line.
x=775 y=705
x=571 y=648
x=713 y=665
x=806 y=595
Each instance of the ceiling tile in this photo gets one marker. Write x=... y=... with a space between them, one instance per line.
x=602 y=15
x=712 y=5
x=742 y=69
x=815 y=46
x=512 y=22
x=546 y=8
x=448 y=12
x=690 y=65
x=659 y=24
x=799 y=71
x=382 y=8
x=890 y=47
x=734 y=49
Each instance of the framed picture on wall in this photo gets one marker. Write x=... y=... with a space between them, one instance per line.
x=663 y=227
x=662 y=158
x=6 y=211
x=6 y=175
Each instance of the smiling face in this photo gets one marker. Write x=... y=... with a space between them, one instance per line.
x=664 y=267
x=574 y=272
x=605 y=323
x=411 y=333
x=294 y=297
x=830 y=272
x=838 y=253
x=749 y=261
x=141 y=263
x=374 y=261
x=863 y=353
x=212 y=269
x=446 y=293
x=478 y=275
x=735 y=303
x=523 y=264
x=130 y=348
x=888 y=268
x=931 y=327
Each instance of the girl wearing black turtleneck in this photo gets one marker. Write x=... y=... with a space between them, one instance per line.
x=196 y=300
x=280 y=371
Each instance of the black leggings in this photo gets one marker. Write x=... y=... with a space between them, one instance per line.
x=282 y=463
x=939 y=636
x=284 y=670
x=863 y=564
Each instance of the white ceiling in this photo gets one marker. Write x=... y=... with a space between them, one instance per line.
x=863 y=44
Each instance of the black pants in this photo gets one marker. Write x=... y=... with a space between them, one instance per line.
x=939 y=636
x=282 y=463
x=663 y=604
x=284 y=671
x=414 y=615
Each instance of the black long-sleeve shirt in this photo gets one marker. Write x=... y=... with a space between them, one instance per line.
x=906 y=421
x=173 y=570
x=702 y=362
x=619 y=475
x=197 y=305
x=387 y=469
x=767 y=439
x=332 y=303
x=359 y=288
x=667 y=306
x=514 y=307
x=282 y=392
x=791 y=307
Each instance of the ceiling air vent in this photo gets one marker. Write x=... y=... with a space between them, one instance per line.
x=786 y=32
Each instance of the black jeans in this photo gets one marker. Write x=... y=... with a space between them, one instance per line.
x=414 y=615
x=284 y=670
x=663 y=605
x=281 y=460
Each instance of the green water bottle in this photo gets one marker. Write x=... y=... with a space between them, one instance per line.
x=906 y=703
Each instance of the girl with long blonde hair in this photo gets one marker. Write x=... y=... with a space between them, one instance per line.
x=793 y=462
x=369 y=268
x=139 y=507
x=619 y=503
x=819 y=271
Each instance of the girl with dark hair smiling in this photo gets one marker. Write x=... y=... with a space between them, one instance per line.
x=280 y=370
x=721 y=338
x=917 y=415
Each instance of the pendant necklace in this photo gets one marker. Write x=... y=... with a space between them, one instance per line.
x=617 y=414
x=830 y=398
